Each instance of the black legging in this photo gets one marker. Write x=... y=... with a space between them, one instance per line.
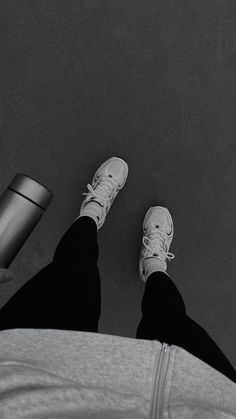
x=66 y=294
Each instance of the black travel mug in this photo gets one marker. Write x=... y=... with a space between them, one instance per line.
x=21 y=206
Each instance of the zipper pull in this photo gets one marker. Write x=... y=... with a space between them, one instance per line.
x=165 y=346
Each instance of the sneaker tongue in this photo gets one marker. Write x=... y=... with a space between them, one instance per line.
x=98 y=203
x=95 y=201
x=95 y=207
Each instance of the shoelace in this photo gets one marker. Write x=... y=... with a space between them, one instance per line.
x=105 y=185
x=157 y=238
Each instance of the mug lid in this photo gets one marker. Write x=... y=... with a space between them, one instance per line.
x=32 y=189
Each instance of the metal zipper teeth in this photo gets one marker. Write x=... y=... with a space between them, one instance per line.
x=160 y=378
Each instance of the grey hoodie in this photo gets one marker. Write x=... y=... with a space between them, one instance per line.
x=57 y=374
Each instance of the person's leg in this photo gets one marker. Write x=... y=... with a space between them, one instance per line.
x=164 y=318
x=66 y=294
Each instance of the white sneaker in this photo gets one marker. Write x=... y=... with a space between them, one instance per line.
x=158 y=231
x=107 y=182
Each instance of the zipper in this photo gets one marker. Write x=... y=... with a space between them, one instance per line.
x=160 y=377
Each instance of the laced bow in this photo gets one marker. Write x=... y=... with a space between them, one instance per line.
x=158 y=246
x=104 y=190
